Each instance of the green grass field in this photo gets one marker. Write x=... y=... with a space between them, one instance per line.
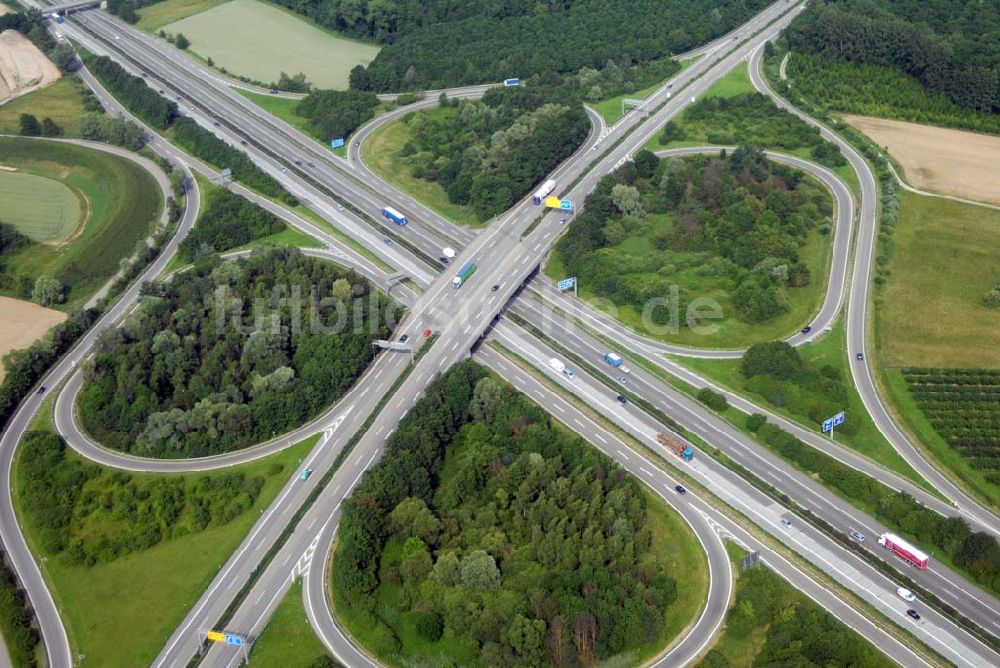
x=946 y=257
x=381 y=152
x=43 y=209
x=121 y=613
x=288 y=640
x=62 y=102
x=155 y=16
x=123 y=203
x=260 y=41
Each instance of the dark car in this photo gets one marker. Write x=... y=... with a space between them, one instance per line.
x=860 y=356
x=806 y=329
x=913 y=613
x=215 y=123
x=41 y=390
x=243 y=142
x=298 y=162
x=403 y=338
x=680 y=489
x=387 y=240
x=622 y=399
x=495 y=288
x=443 y=259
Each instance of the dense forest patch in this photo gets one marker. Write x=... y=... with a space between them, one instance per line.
x=942 y=57
x=225 y=355
x=486 y=536
x=489 y=153
x=658 y=234
x=438 y=44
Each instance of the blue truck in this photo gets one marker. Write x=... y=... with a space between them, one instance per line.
x=467 y=270
x=513 y=81
x=393 y=215
x=614 y=359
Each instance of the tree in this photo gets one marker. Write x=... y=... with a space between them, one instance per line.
x=713 y=400
x=479 y=571
x=485 y=398
x=29 y=126
x=50 y=128
x=412 y=517
x=181 y=42
x=63 y=56
x=774 y=358
x=209 y=61
x=672 y=131
x=48 y=291
x=447 y=570
x=416 y=562
x=645 y=163
x=430 y=626
x=627 y=200
x=527 y=638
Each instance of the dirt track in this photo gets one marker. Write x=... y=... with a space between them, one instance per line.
x=950 y=162
x=22 y=323
x=23 y=68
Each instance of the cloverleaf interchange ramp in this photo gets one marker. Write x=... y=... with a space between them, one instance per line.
x=459 y=342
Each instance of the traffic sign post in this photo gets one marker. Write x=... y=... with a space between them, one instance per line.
x=830 y=423
x=567 y=283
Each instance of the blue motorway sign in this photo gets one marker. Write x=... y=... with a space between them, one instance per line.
x=337 y=143
x=566 y=205
x=835 y=421
x=566 y=283
x=233 y=639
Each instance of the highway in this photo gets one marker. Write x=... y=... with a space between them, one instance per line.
x=447 y=311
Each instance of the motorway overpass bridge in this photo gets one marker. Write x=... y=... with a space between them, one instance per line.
x=66 y=8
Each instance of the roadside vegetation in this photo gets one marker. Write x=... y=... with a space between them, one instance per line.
x=214 y=361
x=227 y=221
x=112 y=205
x=161 y=114
x=481 y=156
x=927 y=63
x=288 y=640
x=772 y=623
x=63 y=102
x=814 y=383
x=488 y=535
x=657 y=236
x=20 y=637
x=130 y=550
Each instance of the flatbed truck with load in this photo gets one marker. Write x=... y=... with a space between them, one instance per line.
x=679 y=448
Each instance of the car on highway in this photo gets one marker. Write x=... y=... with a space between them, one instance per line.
x=857 y=536
x=495 y=288
x=284 y=169
x=41 y=390
x=622 y=379
x=860 y=356
x=273 y=91
x=906 y=594
x=913 y=613
x=622 y=399
x=443 y=260
x=305 y=474
x=243 y=142
x=340 y=207
x=403 y=338
x=298 y=162
x=215 y=123
x=806 y=329
x=388 y=241
x=786 y=521
x=562 y=221
x=569 y=373
x=680 y=489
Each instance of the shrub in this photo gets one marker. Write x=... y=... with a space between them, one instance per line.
x=712 y=399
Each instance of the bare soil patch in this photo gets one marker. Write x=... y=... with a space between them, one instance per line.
x=22 y=324
x=23 y=68
x=941 y=160
x=4 y=9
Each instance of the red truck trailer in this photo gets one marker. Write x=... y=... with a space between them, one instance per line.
x=903 y=549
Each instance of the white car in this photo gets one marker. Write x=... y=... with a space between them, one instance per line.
x=906 y=594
